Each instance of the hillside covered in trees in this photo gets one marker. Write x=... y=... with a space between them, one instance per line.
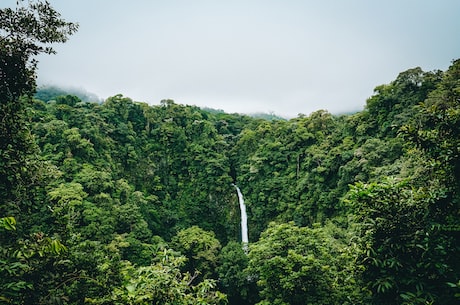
x=122 y=202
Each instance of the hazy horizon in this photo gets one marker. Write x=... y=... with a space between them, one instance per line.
x=286 y=57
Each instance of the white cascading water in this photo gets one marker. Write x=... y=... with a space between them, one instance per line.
x=244 y=218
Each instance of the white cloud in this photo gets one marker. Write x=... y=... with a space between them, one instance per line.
x=289 y=57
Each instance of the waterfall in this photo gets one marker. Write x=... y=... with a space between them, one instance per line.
x=244 y=218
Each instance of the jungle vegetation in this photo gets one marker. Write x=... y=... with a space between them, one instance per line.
x=122 y=202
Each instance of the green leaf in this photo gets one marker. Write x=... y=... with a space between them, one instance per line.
x=9 y=223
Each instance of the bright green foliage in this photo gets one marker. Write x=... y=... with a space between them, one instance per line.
x=170 y=153
x=66 y=198
x=162 y=283
x=8 y=223
x=200 y=248
x=298 y=170
x=301 y=265
x=276 y=163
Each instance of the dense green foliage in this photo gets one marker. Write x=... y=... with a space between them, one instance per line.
x=303 y=265
x=122 y=202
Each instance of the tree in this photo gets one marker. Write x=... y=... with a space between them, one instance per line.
x=392 y=105
x=234 y=276
x=25 y=32
x=26 y=264
x=301 y=265
x=407 y=256
x=162 y=282
x=31 y=28
x=201 y=249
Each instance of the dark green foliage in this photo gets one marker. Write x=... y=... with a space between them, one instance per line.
x=25 y=31
x=29 y=259
x=393 y=233
x=234 y=277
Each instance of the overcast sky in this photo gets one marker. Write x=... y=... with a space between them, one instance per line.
x=283 y=56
